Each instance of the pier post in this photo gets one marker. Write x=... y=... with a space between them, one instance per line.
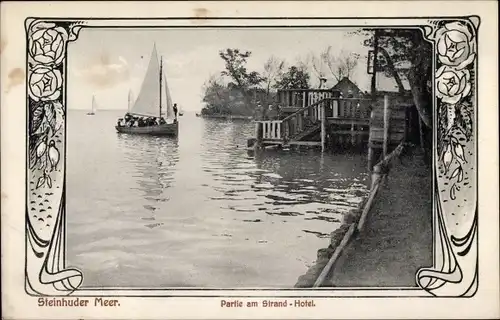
x=387 y=119
x=259 y=135
x=370 y=157
x=323 y=126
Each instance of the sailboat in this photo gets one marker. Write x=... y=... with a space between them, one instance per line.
x=94 y=107
x=153 y=101
x=181 y=112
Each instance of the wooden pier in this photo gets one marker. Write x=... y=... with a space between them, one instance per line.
x=324 y=119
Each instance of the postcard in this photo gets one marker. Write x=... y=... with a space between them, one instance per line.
x=229 y=160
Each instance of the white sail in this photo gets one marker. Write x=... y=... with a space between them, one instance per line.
x=130 y=100
x=148 y=100
x=167 y=105
x=94 y=104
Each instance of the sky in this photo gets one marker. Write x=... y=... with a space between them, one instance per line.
x=108 y=63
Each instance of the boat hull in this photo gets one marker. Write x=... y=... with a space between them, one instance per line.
x=168 y=129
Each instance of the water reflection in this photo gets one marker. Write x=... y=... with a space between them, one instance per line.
x=199 y=211
x=153 y=161
x=306 y=185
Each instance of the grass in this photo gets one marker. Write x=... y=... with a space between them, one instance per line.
x=397 y=238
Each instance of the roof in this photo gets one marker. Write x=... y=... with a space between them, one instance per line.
x=347 y=81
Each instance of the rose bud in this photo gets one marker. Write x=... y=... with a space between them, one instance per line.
x=459 y=152
x=40 y=150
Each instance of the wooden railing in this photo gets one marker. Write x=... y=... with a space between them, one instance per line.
x=303 y=119
x=351 y=108
x=311 y=116
x=271 y=130
x=301 y=98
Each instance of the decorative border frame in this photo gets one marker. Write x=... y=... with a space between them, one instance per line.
x=455 y=269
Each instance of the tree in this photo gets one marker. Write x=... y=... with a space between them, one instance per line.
x=293 y=78
x=215 y=96
x=405 y=53
x=342 y=65
x=235 y=64
x=235 y=68
x=302 y=63
x=318 y=67
x=273 y=68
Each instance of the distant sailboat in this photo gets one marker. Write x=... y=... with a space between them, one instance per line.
x=153 y=101
x=181 y=112
x=94 y=107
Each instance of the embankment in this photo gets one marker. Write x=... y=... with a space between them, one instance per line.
x=226 y=117
x=388 y=237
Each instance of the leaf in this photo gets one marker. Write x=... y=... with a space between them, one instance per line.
x=442 y=127
x=59 y=116
x=451 y=115
x=464 y=120
x=43 y=162
x=443 y=119
x=452 y=192
x=447 y=158
x=459 y=152
x=37 y=117
x=460 y=176
x=49 y=181
x=50 y=115
x=41 y=182
x=33 y=158
x=33 y=142
x=455 y=172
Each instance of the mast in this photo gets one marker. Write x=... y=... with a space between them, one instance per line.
x=161 y=65
x=129 y=100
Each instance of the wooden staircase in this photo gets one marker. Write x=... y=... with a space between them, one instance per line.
x=309 y=125
x=307 y=133
x=304 y=123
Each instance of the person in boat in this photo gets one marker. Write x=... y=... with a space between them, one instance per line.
x=175 y=110
x=162 y=120
x=127 y=120
x=135 y=122
x=120 y=122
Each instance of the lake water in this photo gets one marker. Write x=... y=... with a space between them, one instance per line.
x=199 y=211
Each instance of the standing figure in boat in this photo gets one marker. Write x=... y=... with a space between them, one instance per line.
x=153 y=111
x=175 y=111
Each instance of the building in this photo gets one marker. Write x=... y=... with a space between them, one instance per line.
x=348 y=89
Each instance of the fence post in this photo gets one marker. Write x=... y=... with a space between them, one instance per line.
x=323 y=126
x=387 y=122
x=421 y=132
x=370 y=144
x=335 y=109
